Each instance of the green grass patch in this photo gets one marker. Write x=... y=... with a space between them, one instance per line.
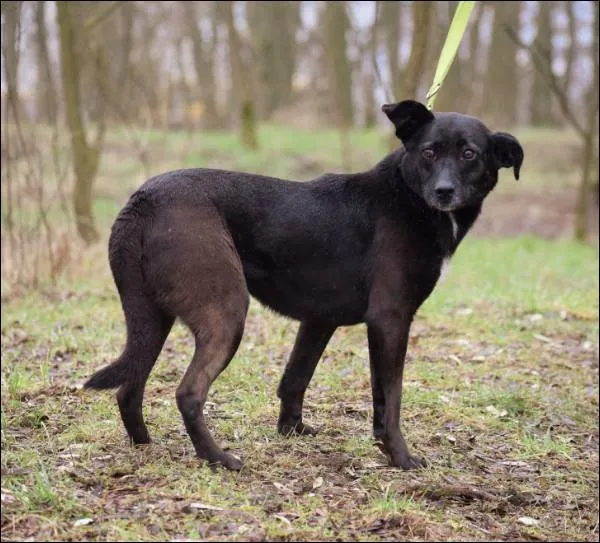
x=500 y=394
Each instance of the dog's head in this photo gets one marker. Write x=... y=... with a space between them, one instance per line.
x=451 y=160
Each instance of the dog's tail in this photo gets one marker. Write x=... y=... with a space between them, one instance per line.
x=147 y=324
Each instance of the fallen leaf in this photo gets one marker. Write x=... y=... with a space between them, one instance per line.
x=281 y=487
x=283 y=519
x=7 y=498
x=494 y=412
x=517 y=463
x=205 y=506
x=83 y=522
x=528 y=521
x=455 y=359
x=318 y=482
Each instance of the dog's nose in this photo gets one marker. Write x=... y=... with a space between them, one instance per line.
x=444 y=192
x=444 y=189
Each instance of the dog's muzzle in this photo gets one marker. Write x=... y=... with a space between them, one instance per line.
x=445 y=194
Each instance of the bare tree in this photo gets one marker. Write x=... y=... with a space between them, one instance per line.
x=240 y=80
x=541 y=99
x=273 y=27
x=47 y=103
x=590 y=156
x=10 y=50
x=335 y=23
x=587 y=131
x=572 y=48
x=500 y=87
x=453 y=95
x=204 y=58
x=411 y=78
x=86 y=155
x=388 y=14
x=470 y=69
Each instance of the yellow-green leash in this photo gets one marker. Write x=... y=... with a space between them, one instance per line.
x=455 y=34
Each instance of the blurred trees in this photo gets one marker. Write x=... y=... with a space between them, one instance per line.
x=541 y=104
x=86 y=155
x=272 y=27
x=88 y=66
x=47 y=102
x=203 y=51
x=187 y=63
x=422 y=18
x=501 y=83
x=335 y=24
x=242 y=100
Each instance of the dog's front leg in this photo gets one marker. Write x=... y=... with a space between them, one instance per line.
x=310 y=343
x=388 y=340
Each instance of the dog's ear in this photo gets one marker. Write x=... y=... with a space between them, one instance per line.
x=408 y=117
x=507 y=152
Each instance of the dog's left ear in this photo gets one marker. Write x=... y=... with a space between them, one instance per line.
x=507 y=152
x=408 y=117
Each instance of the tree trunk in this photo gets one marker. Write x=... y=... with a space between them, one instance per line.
x=411 y=77
x=453 y=95
x=389 y=17
x=335 y=25
x=471 y=72
x=572 y=48
x=501 y=84
x=10 y=50
x=541 y=99
x=47 y=103
x=273 y=28
x=204 y=66
x=240 y=80
x=85 y=158
x=590 y=161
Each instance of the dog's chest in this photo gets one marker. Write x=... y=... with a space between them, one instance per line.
x=451 y=246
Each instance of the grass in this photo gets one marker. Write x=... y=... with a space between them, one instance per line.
x=500 y=396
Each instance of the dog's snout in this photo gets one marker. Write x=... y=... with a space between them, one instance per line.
x=444 y=190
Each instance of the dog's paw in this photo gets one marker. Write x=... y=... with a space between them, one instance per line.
x=298 y=429
x=408 y=462
x=401 y=459
x=140 y=440
x=227 y=461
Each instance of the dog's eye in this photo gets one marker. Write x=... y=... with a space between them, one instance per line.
x=428 y=154
x=469 y=154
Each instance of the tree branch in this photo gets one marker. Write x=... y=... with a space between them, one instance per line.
x=95 y=20
x=543 y=63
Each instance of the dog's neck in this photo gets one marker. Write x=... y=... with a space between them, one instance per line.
x=454 y=225
x=449 y=228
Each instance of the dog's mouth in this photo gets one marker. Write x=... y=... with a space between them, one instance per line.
x=447 y=207
x=445 y=204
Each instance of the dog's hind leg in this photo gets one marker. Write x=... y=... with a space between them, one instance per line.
x=309 y=346
x=149 y=328
x=215 y=346
x=198 y=276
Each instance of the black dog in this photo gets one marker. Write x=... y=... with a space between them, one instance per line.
x=338 y=250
